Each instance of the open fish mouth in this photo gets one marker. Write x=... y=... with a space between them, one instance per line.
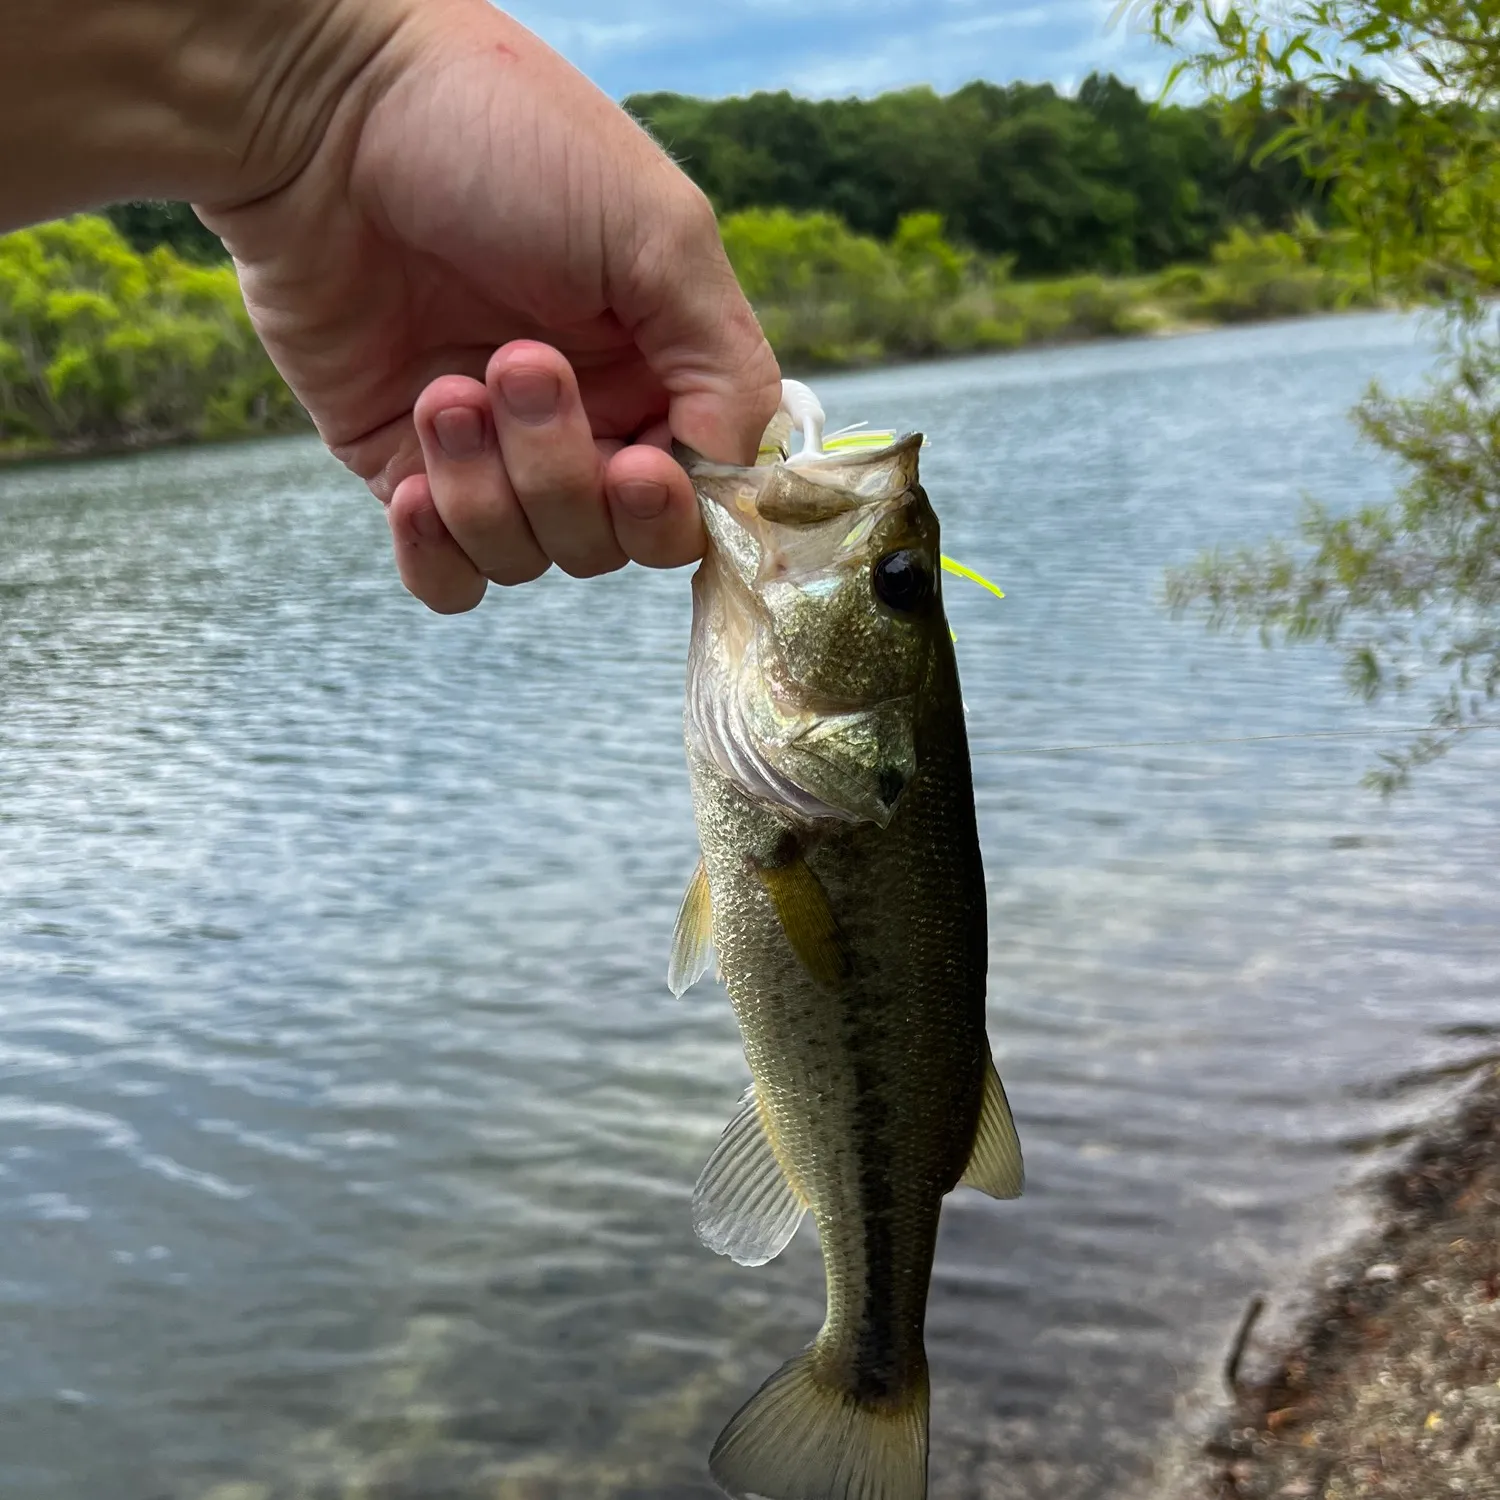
x=803 y=683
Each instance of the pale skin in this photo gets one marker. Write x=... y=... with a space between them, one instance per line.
x=497 y=297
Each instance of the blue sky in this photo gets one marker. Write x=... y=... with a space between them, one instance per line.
x=836 y=47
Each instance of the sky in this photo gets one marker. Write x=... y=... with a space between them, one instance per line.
x=831 y=48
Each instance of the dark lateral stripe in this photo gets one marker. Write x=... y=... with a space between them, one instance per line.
x=877 y=1359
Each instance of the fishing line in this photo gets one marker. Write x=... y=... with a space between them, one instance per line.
x=1238 y=739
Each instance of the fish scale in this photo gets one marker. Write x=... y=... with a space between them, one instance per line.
x=843 y=889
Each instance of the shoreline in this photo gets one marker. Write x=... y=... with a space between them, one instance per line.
x=1388 y=1385
x=1167 y=333
x=71 y=453
x=17 y=457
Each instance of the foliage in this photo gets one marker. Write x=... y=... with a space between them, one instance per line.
x=1395 y=106
x=175 y=225
x=1099 y=182
x=1391 y=104
x=1404 y=588
x=828 y=297
x=101 y=346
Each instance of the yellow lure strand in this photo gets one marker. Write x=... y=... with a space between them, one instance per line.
x=853 y=440
x=950 y=566
x=847 y=442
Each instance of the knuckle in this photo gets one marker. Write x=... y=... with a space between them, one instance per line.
x=511 y=572
x=696 y=213
x=593 y=566
x=450 y=598
x=557 y=480
x=446 y=606
x=672 y=553
x=683 y=233
x=467 y=511
x=568 y=481
x=695 y=229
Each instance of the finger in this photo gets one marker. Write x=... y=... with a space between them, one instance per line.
x=653 y=507
x=470 y=488
x=555 y=470
x=432 y=565
x=684 y=308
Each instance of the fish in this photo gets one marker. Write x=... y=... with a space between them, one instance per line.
x=841 y=890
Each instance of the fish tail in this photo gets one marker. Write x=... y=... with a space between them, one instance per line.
x=802 y=1436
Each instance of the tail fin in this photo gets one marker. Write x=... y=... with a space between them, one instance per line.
x=800 y=1438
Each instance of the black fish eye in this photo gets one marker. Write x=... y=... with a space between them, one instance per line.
x=902 y=581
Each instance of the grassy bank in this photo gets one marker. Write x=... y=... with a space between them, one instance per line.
x=103 y=347
x=1390 y=1389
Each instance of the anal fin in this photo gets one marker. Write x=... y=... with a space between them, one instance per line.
x=806 y=917
x=995 y=1165
x=692 y=938
x=744 y=1205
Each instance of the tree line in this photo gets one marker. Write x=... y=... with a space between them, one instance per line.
x=1102 y=181
x=904 y=226
x=104 y=346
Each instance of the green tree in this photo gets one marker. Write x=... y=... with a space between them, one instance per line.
x=1393 y=108
x=1098 y=182
x=149 y=224
x=102 y=346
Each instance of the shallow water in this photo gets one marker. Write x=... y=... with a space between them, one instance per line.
x=347 y=1128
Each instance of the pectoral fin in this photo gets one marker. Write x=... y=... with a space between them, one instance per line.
x=745 y=1206
x=692 y=939
x=807 y=919
x=995 y=1162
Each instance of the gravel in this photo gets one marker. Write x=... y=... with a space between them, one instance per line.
x=1390 y=1389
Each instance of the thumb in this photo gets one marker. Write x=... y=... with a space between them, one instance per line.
x=695 y=329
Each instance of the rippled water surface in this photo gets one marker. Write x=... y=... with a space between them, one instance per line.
x=347 y=1128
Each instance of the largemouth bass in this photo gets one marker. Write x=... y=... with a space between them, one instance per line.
x=842 y=887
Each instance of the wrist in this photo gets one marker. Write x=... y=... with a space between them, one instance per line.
x=211 y=101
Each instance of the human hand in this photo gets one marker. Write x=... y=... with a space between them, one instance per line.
x=472 y=192
x=407 y=187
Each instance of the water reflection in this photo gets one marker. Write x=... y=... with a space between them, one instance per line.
x=347 y=1127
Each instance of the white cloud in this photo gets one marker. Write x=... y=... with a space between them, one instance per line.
x=834 y=47
x=604 y=36
x=1060 y=43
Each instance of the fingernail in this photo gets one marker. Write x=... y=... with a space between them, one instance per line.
x=531 y=396
x=644 y=499
x=460 y=432
x=428 y=524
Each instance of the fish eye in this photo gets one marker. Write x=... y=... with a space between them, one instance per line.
x=902 y=581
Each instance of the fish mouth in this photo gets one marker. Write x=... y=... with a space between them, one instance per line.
x=800 y=491
x=814 y=754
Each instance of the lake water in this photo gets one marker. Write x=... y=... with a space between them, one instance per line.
x=347 y=1127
